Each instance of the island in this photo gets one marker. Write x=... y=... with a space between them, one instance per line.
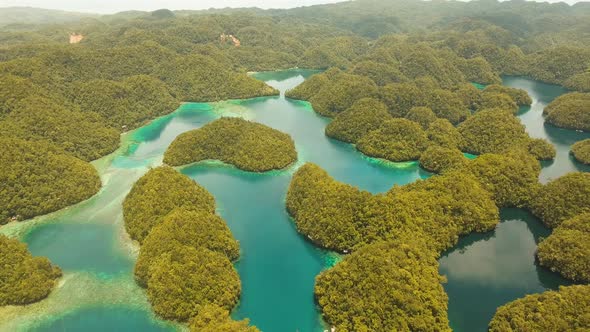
x=247 y=145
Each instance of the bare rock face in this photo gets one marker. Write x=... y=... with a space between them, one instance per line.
x=75 y=38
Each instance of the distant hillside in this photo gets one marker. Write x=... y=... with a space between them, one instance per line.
x=28 y=15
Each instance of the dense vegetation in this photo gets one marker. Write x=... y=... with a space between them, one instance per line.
x=492 y=131
x=340 y=217
x=157 y=194
x=194 y=228
x=395 y=140
x=364 y=116
x=25 y=279
x=520 y=96
x=563 y=310
x=437 y=159
x=38 y=178
x=247 y=145
x=581 y=151
x=512 y=179
x=186 y=254
x=409 y=296
x=567 y=249
x=570 y=111
x=212 y=318
x=562 y=199
x=184 y=278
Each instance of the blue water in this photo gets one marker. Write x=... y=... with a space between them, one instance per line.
x=278 y=266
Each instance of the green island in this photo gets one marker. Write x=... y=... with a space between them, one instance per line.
x=39 y=177
x=571 y=111
x=562 y=198
x=25 y=279
x=567 y=249
x=157 y=194
x=186 y=254
x=438 y=105
x=562 y=310
x=581 y=151
x=410 y=296
x=247 y=145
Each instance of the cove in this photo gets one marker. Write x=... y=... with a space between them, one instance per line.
x=278 y=266
x=485 y=271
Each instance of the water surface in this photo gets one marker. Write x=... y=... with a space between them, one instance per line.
x=277 y=266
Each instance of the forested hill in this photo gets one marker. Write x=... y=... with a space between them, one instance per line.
x=28 y=15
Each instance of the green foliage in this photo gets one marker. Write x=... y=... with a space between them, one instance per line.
x=581 y=151
x=492 y=131
x=556 y=65
x=182 y=227
x=25 y=279
x=395 y=140
x=247 y=145
x=199 y=78
x=392 y=286
x=424 y=116
x=470 y=95
x=512 y=178
x=130 y=103
x=381 y=73
x=364 y=116
x=437 y=159
x=156 y=194
x=184 y=279
x=212 y=318
x=579 y=82
x=571 y=111
x=478 y=70
x=498 y=101
x=520 y=96
x=563 y=310
x=441 y=132
x=340 y=217
x=83 y=135
x=37 y=178
x=312 y=85
x=342 y=91
x=567 y=249
x=541 y=149
x=562 y=199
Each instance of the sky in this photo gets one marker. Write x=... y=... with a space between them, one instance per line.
x=112 y=6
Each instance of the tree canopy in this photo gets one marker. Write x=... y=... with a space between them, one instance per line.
x=247 y=145
x=581 y=151
x=567 y=249
x=562 y=198
x=38 y=178
x=563 y=310
x=392 y=286
x=156 y=194
x=25 y=279
x=571 y=111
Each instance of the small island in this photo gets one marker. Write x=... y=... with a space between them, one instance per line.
x=581 y=151
x=567 y=249
x=39 y=178
x=25 y=279
x=187 y=251
x=563 y=310
x=570 y=111
x=247 y=145
x=562 y=199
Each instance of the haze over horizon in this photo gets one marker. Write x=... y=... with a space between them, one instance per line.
x=114 y=6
